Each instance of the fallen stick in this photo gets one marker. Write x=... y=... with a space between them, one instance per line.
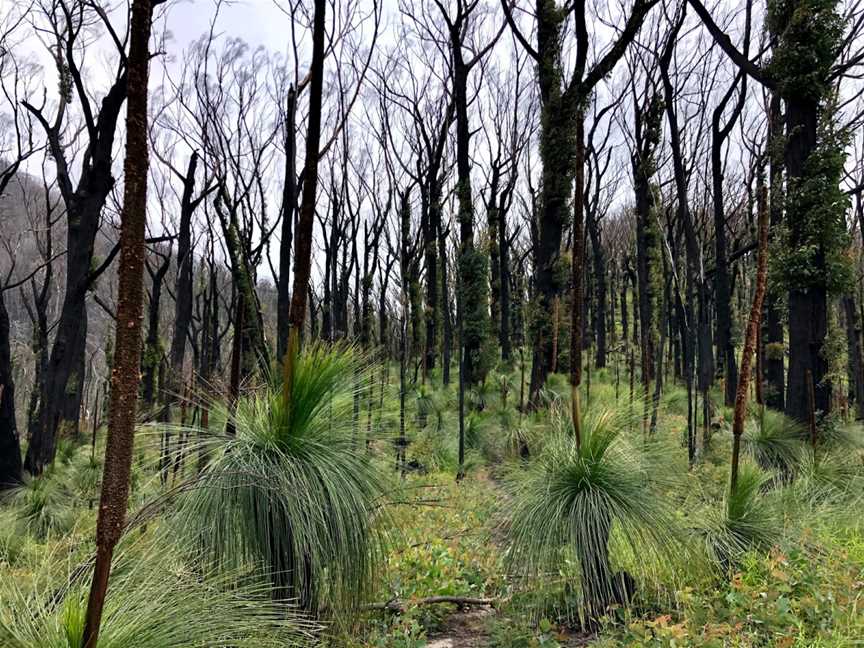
x=397 y=606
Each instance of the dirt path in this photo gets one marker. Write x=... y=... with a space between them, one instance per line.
x=464 y=629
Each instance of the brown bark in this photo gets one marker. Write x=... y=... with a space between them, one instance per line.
x=750 y=339
x=125 y=377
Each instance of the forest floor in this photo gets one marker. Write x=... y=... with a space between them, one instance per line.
x=803 y=589
x=463 y=629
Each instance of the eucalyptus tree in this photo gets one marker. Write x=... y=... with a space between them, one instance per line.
x=647 y=125
x=562 y=153
x=507 y=128
x=601 y=183
x=694 y=318
x=152 y=360
x=238 y=128
x=814 y=47
x=720 y=132
x=351 y=22
x=467 y=33
x=16 y=147
x=373 y=225
x=166 y=143
x=44 y=211
x=64 y=24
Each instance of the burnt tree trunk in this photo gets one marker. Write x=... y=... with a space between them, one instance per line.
x=722 y=292
x=598 y=259
x=152 y=360
x=855 y=354
x=61 y=391
x=10 y=448
x=183 y=286
x=289 y=198
x=808 y=307
x=775 y=379
x=303 y=252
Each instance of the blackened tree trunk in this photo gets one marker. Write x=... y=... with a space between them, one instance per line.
x=493 y=223
x=39 y=321
x=775 y=378
x=289 y=199
x=854 y=354
x=10 y=448
x=255 y=350
x=303 y=259
x=124 y=378
x=371 y=245
x=811 y=261
x=153 y=351
x=433 y=257
x=722 y=293
x=578 y=280
x=504 y=334
x=808 y=304
x=472 y=266
x=446 y=319
x=556 y=146
x=598 y=259
x=562 y=152
x=183 y=286
x=647 y=236
x=60 y=400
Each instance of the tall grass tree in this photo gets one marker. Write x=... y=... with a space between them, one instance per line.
x=594 y=501
x=291 y=491
x=127 y=356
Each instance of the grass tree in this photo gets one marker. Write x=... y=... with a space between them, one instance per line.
x=290 y=491
x=750 y=337
x=159 y=600
x=127 y=356
x=746 y=520
x=591 y=502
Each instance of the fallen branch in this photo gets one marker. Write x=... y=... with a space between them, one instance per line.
x=398 y=607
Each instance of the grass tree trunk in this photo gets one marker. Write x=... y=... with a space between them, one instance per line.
x=743 y=387
x=303 y=250
x=127 y=355
x=577 y=278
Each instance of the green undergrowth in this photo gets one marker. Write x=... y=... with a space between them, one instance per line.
x=782 y=564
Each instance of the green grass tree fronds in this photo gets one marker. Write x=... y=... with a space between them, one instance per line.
x=774 y=441
x=592 y=504
x=293 y=490
x=157 y=600
x=746 y=520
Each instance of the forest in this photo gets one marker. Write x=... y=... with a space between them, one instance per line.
x=445 y=323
